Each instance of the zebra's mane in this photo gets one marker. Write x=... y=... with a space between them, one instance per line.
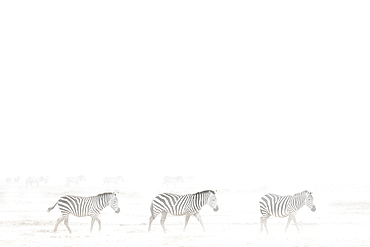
x=303 y=192
x=106 y=193
x=205 y=191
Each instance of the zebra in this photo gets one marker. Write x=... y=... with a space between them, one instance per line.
x=75 y=180
x=178 y=205
x=112 y=180
x=172 y=180
x=36 y=180
x=85 y=206
x=282 y=206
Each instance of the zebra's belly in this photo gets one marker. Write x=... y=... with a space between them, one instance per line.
x=280 y=215
x=75 y=211
x=81 y=214
x=176 y=213
x=77 y=214
x=275 y=211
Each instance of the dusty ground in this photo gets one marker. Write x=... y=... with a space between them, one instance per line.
x=342 y=219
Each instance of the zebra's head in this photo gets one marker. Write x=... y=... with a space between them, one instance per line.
x=212 y=200
x=113 y=202
x=309 y=201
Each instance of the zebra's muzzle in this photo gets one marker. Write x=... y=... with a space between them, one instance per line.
x=313 y=209
x=216 y=209
x=117 y=211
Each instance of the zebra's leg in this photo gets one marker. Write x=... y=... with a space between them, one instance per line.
x=289 y=219
x=197 y=215
x=98 y=220
x=164 y=215
x=295 y=222
x=66 y=223
x=150 y=223
x=262 y=221
x=93 y=218
x=151 y=217
x=92 y=223
x=186 y=221
x=265 y=223
x=58 y=222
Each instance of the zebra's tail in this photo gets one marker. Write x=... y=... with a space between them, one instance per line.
x=51 y=208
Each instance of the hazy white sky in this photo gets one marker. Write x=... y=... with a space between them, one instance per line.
x=232 y=90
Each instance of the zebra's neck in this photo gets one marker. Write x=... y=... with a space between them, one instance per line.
x=299 y=199
x=200 y=199
x=103 y=200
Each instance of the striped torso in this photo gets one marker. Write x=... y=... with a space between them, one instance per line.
x=280 y=206
x=81 y=206
x=177 y=204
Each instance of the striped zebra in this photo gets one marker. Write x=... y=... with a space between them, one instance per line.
x=172 y=180
x=85 y=206
x=178 y=205
x=36 y=180
x=75 y=180
x=283 y=206
x=112 y=180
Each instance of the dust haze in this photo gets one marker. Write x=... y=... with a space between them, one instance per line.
x=242 y=98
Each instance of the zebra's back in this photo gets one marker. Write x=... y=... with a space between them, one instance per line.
x=275 y=205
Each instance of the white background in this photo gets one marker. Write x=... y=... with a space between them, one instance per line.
x=241 y=93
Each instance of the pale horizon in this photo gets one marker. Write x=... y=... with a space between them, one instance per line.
x=247 y=95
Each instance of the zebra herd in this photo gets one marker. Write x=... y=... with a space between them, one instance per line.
x=180 y=205
x=108 y=181
x=11 y=180
x=36 y=180
x=75 y=181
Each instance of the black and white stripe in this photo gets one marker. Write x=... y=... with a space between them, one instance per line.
x=178 y=205
x=85 y=206
x=283 y=206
